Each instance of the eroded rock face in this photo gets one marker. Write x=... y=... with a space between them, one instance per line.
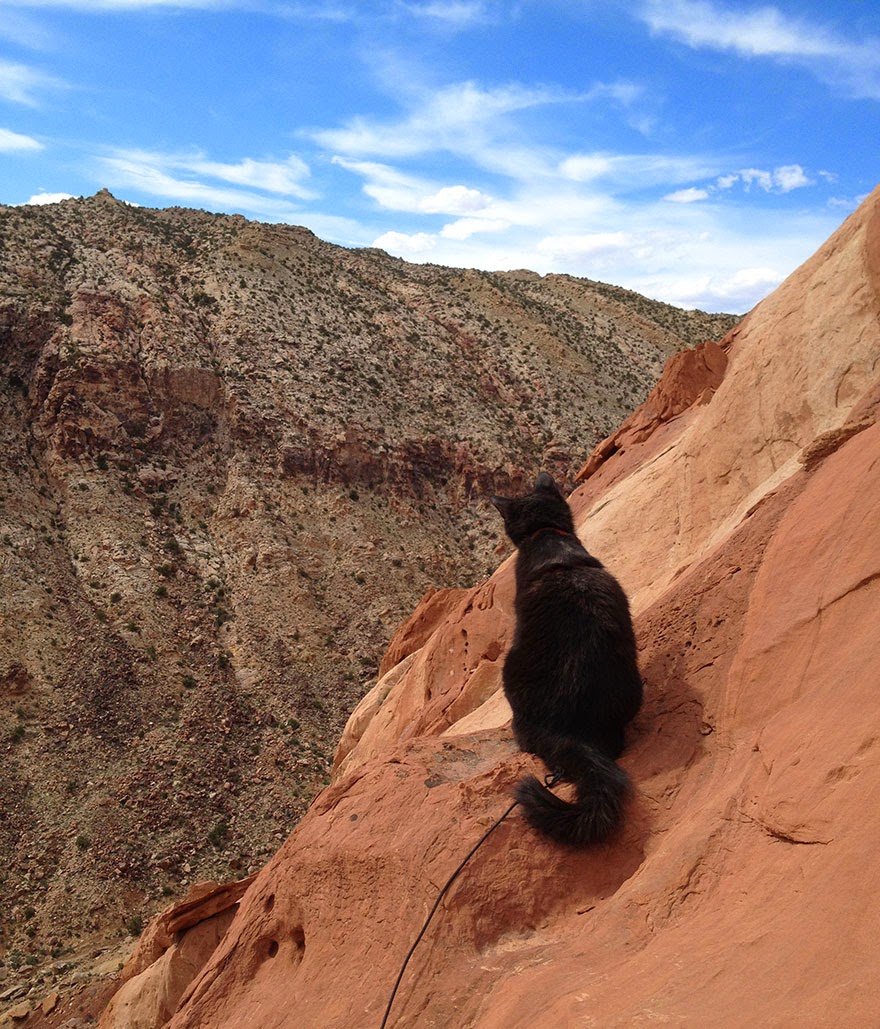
x=689 y=377
x=170 y=954
x=746 y=527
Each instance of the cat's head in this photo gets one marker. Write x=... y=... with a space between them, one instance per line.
x=543 y=508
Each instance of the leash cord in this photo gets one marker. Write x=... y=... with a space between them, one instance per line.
x=549 y=781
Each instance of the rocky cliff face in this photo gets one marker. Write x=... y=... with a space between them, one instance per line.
x=740 y=509
x=234 y=457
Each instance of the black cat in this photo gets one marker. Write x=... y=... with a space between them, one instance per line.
x=571 y=675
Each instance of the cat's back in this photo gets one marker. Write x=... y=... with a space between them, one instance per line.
x=576 y=584
x=574 y=615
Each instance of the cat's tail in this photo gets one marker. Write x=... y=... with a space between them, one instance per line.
x=601 y=787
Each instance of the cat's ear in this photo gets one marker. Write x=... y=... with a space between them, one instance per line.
x=501 y=503
x=545 y=482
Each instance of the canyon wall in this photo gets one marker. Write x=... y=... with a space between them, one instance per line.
x=740 y=508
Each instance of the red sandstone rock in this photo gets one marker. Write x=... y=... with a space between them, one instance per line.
x=171 y=952
x=689 y=377
x=740 y=890
x=434 y=608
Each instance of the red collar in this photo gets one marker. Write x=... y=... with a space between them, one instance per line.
x=549 y=528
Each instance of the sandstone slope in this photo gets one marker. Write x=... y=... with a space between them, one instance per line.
x=746 y=527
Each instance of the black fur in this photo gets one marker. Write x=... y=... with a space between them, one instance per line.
x=571 y=675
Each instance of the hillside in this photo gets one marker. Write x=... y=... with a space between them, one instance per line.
x=235 y=457
x=739 y=507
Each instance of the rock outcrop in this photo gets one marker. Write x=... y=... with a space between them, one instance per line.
x=171 y=953
x=742 y=514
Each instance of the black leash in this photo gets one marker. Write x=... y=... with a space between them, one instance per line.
x=549 y=780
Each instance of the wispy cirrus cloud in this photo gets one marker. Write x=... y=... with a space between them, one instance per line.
x=760 y=32
x=23 y=30
x=195 y=179
x=14 y=142
x=482 y=125
x=460 y=118
x=22 y=84
x=272 y=176
x=766 y=32
x=95 y=6
x=455 y=14
x=621 y=172
x=395 y=190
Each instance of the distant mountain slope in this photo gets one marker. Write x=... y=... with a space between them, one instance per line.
x=234 y=458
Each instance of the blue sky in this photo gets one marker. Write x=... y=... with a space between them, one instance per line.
x=694 y=150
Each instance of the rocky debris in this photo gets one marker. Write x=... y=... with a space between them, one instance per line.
x=747 y=531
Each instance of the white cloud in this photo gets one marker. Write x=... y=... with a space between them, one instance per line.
x=780 y=180
x=390 y=188
x=755 y=176
x=765 y=32
x=460 y=118
x=590 y=244
x=687 y=196
x=19 y=83
x=464 y=228
x=455 y=200
x=177 y=177
x=457 y=14
x=637 y=171
x=273 y=176
x=403 y=244
x=39 y=199
x=761 y=32
x=789 y=177
x=587 y=167
x=15 y=142
x=397 y=191
x=738 y=291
